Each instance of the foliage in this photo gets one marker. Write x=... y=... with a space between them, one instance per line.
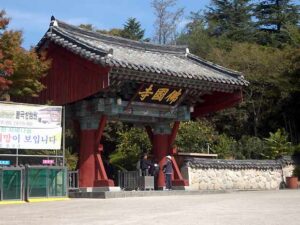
x=132 y=143
x=88 y=27
x=225 y=147
x=195 y=136
x=111 y=136
x=20 y=70
x=132 y=30
x=277 y=144
x=201 y=136
x=231 y=19
x=273 y=14
x=71 y=159
x=6 y=65
x=196 y=37
x=249 y=147
x=296 y=157
x=296 y=172
x=167 y=20
x=112 y=32
x=265 y=68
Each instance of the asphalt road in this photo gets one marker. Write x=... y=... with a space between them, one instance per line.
x=236 y=208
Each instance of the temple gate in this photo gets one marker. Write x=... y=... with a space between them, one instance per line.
x=100 y=78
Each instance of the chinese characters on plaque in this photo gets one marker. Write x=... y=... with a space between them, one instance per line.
x=162 y=95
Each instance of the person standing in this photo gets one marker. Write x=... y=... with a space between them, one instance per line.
x=168 y=171
x=145 y=165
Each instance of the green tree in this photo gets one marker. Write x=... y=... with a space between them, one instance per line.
x=131 y=144
x=272 y=15
x=230 y=18
x=71 y=159
x=249 y=147
x=277 y=144
x=194 y=136
x=20 y=70
x=272 y=18
x=196 y=36
x=201 y=136
x=132 y=30
x=264 y=67
x=88 y=27
x=112 y=32
x=225 y=147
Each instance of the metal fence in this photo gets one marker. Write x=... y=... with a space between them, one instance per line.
x=73 y=179
x=46 y=181
x=133 y=180
x=11 y=183
x=24 y=183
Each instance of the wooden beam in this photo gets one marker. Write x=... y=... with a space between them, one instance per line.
x=100 y=129
x=173 y=133
x=150 y=133
x=103 y=175
x=134 y=96
x=217 y=101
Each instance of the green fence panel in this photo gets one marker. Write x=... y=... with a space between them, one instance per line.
x=11 y=184
x=46 y=182
x=57 y=182
x=1 y=184
x=37 y=182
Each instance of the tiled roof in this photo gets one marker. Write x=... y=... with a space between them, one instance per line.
x=120 y=53
x=237 y=164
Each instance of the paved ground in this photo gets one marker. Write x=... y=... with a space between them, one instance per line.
x=237 y=208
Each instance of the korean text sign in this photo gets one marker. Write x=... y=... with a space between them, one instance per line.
x=30 y=126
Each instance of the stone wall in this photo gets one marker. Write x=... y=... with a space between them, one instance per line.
x=213 y=174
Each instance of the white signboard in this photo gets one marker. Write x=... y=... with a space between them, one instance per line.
x=30 y=126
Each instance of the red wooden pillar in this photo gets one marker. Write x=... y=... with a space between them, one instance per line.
x=86 y=158
x=101 y=179
x=162 y=146
x=91 y=169
x=160 y=150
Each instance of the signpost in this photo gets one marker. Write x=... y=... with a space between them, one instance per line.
x=30 y=127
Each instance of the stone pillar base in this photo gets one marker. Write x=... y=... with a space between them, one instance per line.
x=104 y=183
x=99 y=189
x=178 y=182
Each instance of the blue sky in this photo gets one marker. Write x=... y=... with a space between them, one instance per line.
x=33 y=16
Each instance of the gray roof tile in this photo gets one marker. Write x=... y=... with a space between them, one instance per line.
x=237 y=164
x=140 y=56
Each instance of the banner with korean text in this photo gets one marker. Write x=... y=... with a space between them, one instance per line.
x=25 y=126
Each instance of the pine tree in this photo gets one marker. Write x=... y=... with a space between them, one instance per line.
x=272 y=15
x=272 y=18
x=132 y=30
x=230 y=18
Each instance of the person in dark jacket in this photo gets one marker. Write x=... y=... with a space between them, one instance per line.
x=168 y=171
x=145 y=165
